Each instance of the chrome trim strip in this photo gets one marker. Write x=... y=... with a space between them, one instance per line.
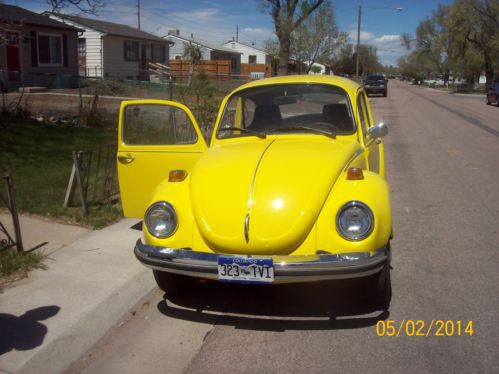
x=320 y=267
x=246 y=227
x=357 y=153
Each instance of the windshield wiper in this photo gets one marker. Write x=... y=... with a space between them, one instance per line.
x=312 y=129
x=252 y=132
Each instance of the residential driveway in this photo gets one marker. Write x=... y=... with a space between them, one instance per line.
x=442 y=160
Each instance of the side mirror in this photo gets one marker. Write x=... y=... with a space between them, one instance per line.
x=377 y=131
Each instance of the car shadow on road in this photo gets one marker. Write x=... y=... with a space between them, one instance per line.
x=24 y=332
x=311 y=306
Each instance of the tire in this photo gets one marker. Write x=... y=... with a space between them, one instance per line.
x=497 y=102
x=172 y=284
x=385 y=93
x=379 y=288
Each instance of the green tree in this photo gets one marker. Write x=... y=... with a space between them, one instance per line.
x=288 y=15
x=474 y=24
x=461 y=37
x=345 y=62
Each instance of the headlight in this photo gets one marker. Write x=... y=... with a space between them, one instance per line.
x=354 y=221
x=161 y=220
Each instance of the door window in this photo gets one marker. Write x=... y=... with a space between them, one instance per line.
x=157 y=125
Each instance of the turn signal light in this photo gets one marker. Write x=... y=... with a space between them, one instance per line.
x=355 y=174
x=177 y=175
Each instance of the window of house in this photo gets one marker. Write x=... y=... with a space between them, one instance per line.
x=157 y=53
x=49 y=49
x=252 y=59
x=82 y=47
x=178 y=57
x=131 y=50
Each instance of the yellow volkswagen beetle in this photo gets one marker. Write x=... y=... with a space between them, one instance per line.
x=291 y=187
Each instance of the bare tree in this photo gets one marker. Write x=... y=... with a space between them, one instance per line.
x=317 y=38
x=193 y=53
x=287 y=16
x=85 y=6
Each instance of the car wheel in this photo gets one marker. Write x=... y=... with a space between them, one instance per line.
x=172 y=284
x=488 y=101
x=497 y=101
x=379 y=288
x=385 y=93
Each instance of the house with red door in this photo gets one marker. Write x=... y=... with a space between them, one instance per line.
x=36 y=50
x=113 y=50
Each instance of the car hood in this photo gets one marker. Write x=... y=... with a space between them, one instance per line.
x=263 y=197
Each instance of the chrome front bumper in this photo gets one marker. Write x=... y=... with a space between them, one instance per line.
x=286 y=268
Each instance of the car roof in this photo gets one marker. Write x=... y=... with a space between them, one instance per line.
x=345 y=83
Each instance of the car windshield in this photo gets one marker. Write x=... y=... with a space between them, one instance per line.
x=376 y=78
x=287 y=108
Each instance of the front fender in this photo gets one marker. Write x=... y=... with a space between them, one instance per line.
x=177 y=194
x=372 y=191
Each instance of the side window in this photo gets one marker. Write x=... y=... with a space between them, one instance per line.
x=239 y=113
x=157 y=125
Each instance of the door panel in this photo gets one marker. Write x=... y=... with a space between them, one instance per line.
x=13 y=58
x=155 y=137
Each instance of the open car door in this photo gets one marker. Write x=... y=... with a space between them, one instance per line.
x=154 y=137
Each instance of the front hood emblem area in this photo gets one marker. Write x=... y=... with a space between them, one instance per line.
x=246 y=227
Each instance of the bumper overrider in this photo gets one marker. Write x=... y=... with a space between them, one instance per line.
x=287 y=269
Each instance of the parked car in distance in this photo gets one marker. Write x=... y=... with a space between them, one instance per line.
x=291 y=187
x=376 y=84
x=493 y=94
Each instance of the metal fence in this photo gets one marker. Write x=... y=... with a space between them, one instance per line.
x=93 y=177
x=7 y=198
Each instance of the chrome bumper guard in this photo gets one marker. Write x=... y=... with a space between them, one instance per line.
x=319 y=267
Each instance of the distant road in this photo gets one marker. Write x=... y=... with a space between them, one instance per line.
x=443 y=168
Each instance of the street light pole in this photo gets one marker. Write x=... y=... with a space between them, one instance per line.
x=358 y=41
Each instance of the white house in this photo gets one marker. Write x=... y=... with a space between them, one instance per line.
x=249 y=53
x=113 y=50
x=208 y=50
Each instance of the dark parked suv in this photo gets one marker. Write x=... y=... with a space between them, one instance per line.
x=493 y=94
x=376 y=84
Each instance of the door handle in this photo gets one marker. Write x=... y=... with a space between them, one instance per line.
x=126 y=159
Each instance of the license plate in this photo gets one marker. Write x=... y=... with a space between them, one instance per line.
x=240 y=269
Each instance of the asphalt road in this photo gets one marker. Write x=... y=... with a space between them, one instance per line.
x=442 y=164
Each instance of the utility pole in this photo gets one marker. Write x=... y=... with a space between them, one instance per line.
x=237 y=33
x=138 y=14
x=358 y=41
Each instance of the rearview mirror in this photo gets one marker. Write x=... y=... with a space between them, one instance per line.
x=377 y=131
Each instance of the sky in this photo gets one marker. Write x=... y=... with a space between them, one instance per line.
x=216 y=21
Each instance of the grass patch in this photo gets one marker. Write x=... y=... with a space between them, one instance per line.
x=14 y=265
x=39 y=157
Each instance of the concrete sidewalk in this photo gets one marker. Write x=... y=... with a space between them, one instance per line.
x=51 y=318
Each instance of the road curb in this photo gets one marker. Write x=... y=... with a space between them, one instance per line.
x=73 y=343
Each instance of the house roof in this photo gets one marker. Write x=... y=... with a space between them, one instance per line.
x=246 y=45
x=17 y=15
x=203 y=43
x=110 y=28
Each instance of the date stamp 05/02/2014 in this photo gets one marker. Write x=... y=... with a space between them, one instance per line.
x=422 y=328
